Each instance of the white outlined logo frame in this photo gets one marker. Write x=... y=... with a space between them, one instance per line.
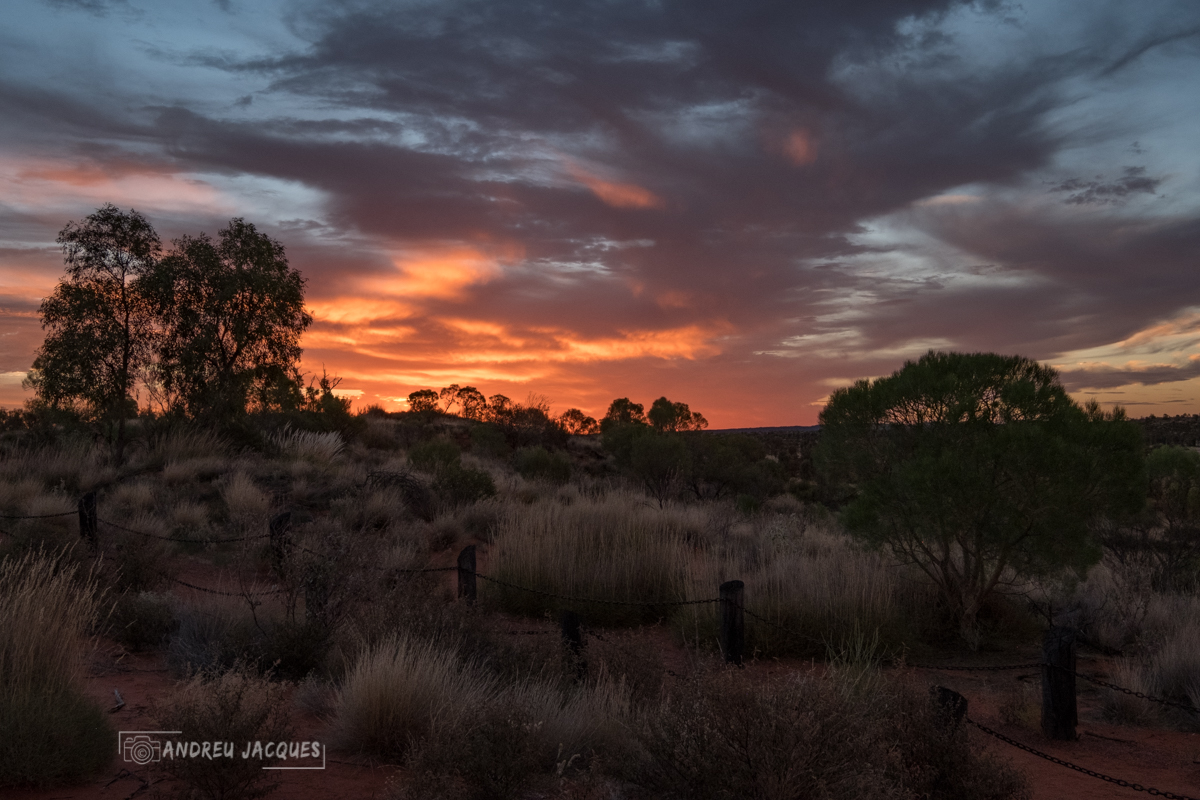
x=144 y=750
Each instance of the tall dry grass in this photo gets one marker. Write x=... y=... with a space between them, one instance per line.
x=71 y=466
x=309 y=445
x=614 y=548
x=814 y=585
x=816 y=591
x=460 y=728
x=400 y=691
x=49 y=731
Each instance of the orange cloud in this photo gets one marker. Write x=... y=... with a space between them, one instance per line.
x=618 y=195
x=800 y=147
x=441 y=272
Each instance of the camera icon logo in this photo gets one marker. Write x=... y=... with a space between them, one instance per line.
x=140 y=747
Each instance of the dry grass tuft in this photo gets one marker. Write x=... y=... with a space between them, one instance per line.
x=248 y=505
x=615 y=548
x=400 y=691
x=49 y=731
x=309 y=445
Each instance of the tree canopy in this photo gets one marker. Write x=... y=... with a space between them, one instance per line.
x=211 y=328
x=977 y=468
x=232 y=312
x=672 y=417
x=99 y=331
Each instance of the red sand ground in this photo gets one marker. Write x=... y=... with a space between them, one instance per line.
x=1163 y=759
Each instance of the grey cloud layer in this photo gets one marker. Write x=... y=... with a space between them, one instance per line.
x=463 y=121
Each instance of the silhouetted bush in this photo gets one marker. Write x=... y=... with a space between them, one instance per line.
x=456 y=485
x=141 y=620
x=488 y=440
x=539 y=463
x=433 y=455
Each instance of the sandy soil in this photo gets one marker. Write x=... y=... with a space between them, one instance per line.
x=1166 y=760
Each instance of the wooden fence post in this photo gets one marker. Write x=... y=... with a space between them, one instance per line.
x=87 y=520
x=950 y=703
x=281 y=540
x=1059 y=713
x=733 y=622
x=466 y=574
x=572 y=636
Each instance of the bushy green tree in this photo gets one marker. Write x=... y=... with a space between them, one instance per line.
x=978 y=467
x=423 y=400
x=576 y=422
x=722 y=465
x=660 y=461
x=231 y=313
x=540 y=463
x=99 y=331
x=672 y=417
x=623 y=411
x=1163 y=542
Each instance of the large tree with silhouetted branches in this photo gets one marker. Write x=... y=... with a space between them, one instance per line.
x=978 y=468
x=99 y=326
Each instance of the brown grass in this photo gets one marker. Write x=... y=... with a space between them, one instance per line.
x=49 y=732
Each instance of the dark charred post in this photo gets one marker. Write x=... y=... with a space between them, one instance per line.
x=951 y=704
x=466 y=574
x=1058 y=684
x=733 y=622
x=572 y=635
x=281 y=539
x=87 y=520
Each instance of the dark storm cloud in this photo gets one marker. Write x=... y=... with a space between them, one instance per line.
x=1072 y=284
x=1100 y=192
x=672 y=164
x=614 y=85
x=98 y=7
x=1110 y=377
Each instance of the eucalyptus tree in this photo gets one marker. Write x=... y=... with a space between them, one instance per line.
x=100 y=331
x=231 y=313
x=978 y=469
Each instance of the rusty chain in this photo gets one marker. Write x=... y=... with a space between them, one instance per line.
x=1137 y=787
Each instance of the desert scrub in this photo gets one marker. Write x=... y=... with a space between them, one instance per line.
x=246 y=503
x=529 y=733
x=320 y=448
x=814 y=589
x=142 y=620
x=719 y=737
x=400 y=690
x=616 y=548
x=538 y=463
x=234 y=706
x=49 y=731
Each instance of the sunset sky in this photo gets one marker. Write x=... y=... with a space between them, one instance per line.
x=739 y=205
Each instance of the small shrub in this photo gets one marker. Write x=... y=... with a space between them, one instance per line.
x=488 y=440
x=434 y=455
x=233 y=706
x=211 y=635
x=457 y=485
x=142 y=620
x=537 y=463
x=49 y=731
